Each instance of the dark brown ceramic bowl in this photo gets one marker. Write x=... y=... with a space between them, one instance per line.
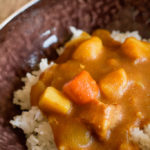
x=21 y=43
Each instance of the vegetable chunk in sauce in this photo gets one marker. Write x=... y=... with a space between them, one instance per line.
x=89 y=49
x=114 y=84
x=96 y=92
x=101 y=118
x=136 y=49
x=54 y=100
x=74 y=135
x=82 y=89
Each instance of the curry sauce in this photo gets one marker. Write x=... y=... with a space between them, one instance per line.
x=96 y=92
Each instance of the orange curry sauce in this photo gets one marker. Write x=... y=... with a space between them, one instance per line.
x=104 y=90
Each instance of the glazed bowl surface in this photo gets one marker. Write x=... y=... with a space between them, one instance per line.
x=21 y=43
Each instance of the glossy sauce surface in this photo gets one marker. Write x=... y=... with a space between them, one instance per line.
x=74 y=131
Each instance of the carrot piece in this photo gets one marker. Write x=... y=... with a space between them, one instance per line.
x=82 y=88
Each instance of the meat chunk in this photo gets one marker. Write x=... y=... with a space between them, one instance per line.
x=101 y=117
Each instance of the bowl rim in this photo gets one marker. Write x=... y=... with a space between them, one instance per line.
x=17 y=12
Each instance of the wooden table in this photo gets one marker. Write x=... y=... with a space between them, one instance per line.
x=7 y=7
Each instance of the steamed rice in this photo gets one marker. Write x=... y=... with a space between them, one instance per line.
x=36 y=127
x=118 y=36
x=142 y=137
x=22 y=96
x=38 y=132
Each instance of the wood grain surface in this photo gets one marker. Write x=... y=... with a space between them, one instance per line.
x=7 y=7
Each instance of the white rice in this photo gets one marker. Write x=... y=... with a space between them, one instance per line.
x=22 y=96
x=118 y=36
x=142 y=137
x=36 y=127
x=75 y=32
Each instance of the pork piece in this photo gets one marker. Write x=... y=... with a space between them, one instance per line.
x=101 y=118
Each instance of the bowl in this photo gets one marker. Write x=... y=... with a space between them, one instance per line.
x=22 y=43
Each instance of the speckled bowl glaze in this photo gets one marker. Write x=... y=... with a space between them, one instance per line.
x=21 y=43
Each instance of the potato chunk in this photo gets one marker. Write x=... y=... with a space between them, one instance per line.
x=74 y=135
x=53 y=100
x=82 y=89
x=114 y=84
x=136 y=49
x=101 y=117
x=70 y=47
x=89 y=49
